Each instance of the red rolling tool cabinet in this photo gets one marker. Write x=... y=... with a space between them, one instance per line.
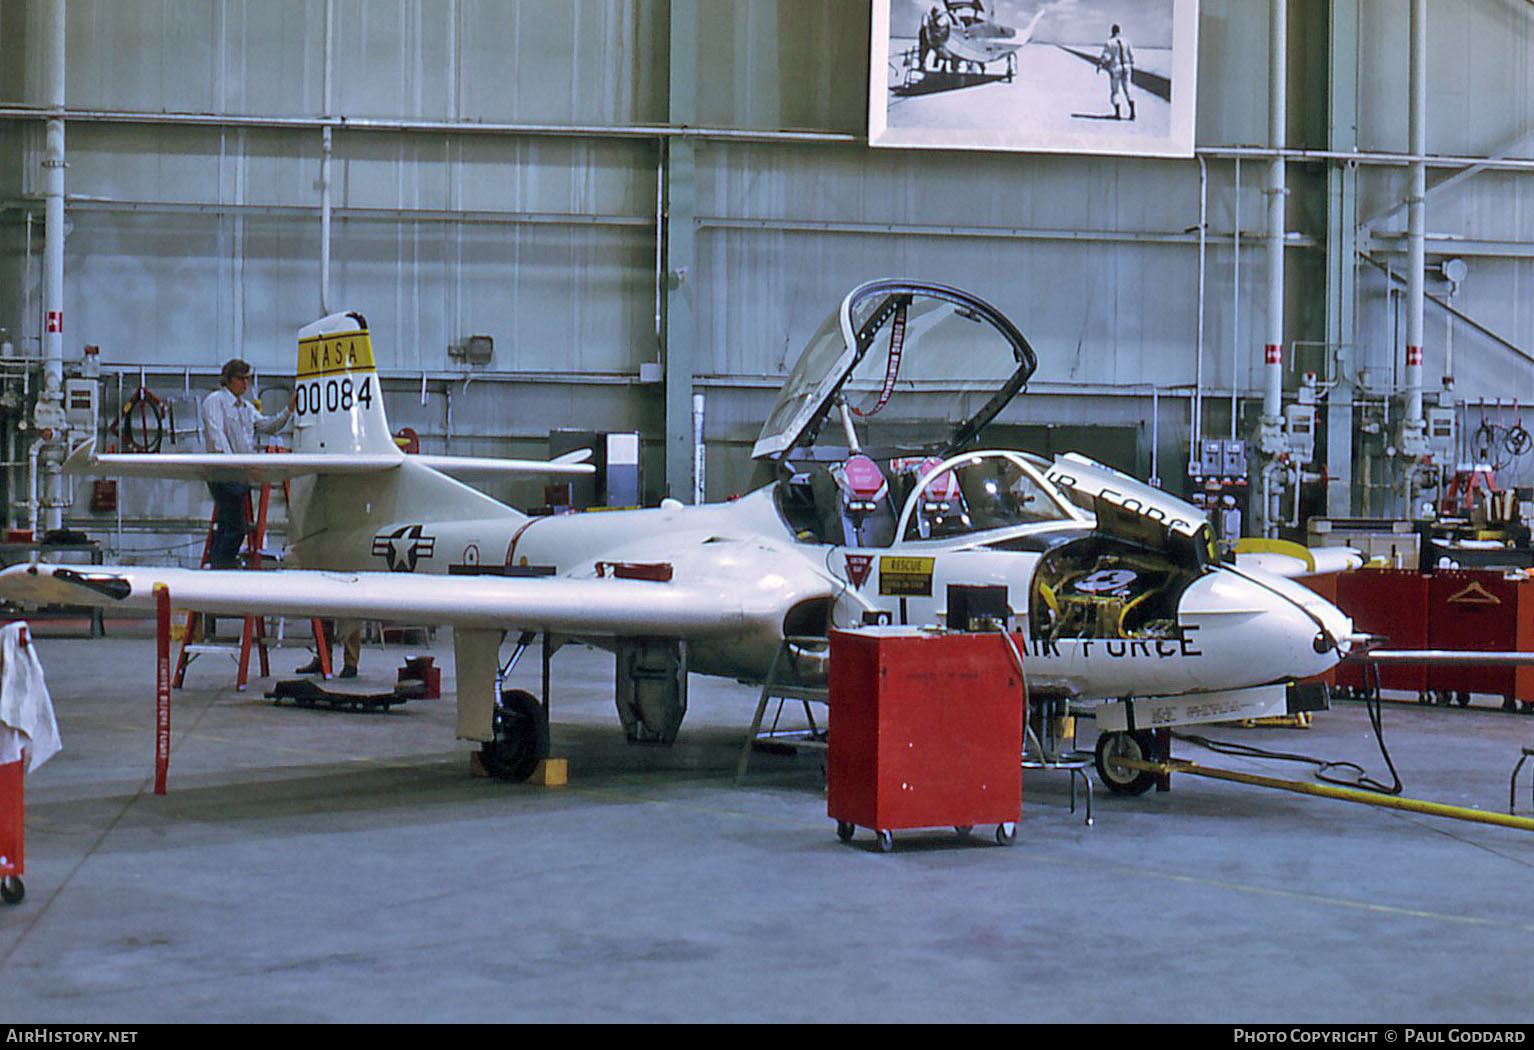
x=926 y=731
x=1482 y=609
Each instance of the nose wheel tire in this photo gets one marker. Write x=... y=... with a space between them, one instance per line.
x=1117 y=778
x=521 y=737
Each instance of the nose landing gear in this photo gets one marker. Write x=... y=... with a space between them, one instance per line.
x=1121 y=780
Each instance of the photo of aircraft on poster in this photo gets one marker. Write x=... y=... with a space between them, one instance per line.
x=1056 y=76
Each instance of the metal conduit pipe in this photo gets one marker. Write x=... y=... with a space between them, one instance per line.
x=326 y=134
x=11 y=111
x=34 y=504
x=1196 y=437
x=1270 y=435
x=1235 y=309
x=1413 y=428
x=1272 y=402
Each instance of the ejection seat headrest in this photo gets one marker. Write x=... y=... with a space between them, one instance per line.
x=861 y=479
x=942 y=488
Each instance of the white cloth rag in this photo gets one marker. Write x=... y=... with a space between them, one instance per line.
x=26 y=710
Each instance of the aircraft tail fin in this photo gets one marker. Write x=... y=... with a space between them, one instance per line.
x=339 y=427
x=339 y=416
x=339 y=406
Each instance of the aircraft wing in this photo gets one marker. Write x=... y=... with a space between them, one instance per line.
x=262 y=467
x=589 y=607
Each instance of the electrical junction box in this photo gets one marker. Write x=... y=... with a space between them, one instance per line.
x=1211 y=458
x=1441 y=434
x=1233 y=458
x=81 y=402
x=1300 y=429
x=1220 y=458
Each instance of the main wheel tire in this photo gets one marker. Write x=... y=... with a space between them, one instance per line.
x=12 y=890
x=1116 y=778
x=521 y=737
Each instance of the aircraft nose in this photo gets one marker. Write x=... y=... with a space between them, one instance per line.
x=1335 y=630
x=1281 y=629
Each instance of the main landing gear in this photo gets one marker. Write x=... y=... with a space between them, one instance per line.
x=521 y=737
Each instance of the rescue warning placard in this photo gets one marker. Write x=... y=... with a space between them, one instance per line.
x=909 y=577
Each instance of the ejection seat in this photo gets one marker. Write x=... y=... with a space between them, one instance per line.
x=940 y=511
x=868 y=520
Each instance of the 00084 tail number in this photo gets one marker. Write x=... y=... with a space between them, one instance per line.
x=334 y=395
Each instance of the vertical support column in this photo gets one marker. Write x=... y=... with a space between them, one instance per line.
x=678 y=230
x=50 y=404
x=1341 y=252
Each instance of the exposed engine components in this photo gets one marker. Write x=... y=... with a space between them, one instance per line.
x=1105 y=588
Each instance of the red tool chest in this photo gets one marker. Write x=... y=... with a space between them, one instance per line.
x=926 y=731
x=1481 y=609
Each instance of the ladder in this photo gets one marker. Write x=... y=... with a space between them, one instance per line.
x=253 y=631
x=784 y=685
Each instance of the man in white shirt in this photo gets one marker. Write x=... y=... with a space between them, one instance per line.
x=230 y=425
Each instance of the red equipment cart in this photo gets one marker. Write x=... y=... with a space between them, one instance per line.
x=926 y=731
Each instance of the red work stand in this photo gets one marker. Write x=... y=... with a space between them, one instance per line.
x=926 y=731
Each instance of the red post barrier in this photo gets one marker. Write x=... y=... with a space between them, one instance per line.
x=161 y=687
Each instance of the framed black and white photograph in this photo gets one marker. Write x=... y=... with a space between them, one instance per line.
x=1048 y=76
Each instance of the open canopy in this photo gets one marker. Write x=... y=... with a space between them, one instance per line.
x=895 y=353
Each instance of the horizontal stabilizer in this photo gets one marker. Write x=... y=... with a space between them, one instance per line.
x=481 y=467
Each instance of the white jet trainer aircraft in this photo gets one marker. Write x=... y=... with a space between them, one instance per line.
x=864 y=515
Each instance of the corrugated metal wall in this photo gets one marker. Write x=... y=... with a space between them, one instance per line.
x=191 y=243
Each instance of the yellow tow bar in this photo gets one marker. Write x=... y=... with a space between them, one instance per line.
x=1368 y=798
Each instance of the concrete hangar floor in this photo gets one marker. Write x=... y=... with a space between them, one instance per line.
x=311 y=865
